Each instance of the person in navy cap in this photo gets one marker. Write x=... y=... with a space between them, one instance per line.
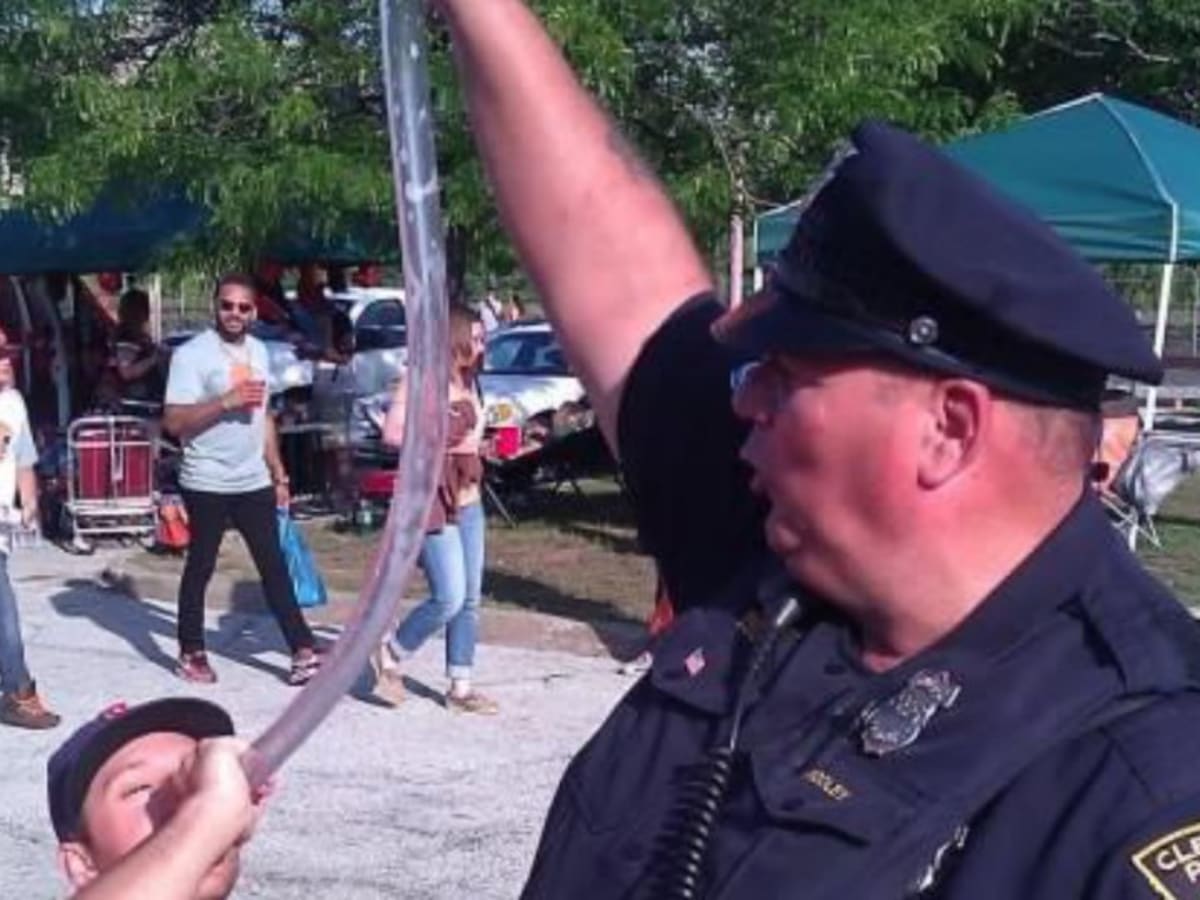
x=152 y=801
x=914 y=658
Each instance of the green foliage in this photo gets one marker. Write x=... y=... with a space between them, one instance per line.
x=1147 y=51
x=271 y=111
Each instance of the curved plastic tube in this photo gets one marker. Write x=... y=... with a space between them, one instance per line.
x=414 y=169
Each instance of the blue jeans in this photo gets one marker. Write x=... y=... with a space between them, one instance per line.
x=453 y=562
x=13 y=674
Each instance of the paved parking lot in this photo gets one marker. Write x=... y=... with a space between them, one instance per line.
x=411 y=802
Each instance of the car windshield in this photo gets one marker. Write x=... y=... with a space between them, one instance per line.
x=381 y=326
x=524 y=353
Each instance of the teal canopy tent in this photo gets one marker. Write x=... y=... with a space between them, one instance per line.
x=772 y=230
x=107 y=237
x=135 y=235
x=360 y=240
x=1119 y=182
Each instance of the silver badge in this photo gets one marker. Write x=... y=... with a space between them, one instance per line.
x=896 y=722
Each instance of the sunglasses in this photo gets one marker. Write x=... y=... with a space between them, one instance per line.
x=244 y=308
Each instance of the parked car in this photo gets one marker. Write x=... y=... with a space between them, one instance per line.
x=525 y=382
x=380 y=330
x=525 y=377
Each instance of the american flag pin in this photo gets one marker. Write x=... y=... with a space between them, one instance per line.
x=695 y=662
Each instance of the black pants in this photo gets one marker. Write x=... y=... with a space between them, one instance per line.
x=253 y=515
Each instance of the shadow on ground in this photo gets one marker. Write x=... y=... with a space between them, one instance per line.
x=620 y=634
x=243 y=633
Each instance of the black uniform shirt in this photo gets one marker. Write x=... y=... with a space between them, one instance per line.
x=1064 y=767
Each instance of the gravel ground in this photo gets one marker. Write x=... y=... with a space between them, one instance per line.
x=412 y=802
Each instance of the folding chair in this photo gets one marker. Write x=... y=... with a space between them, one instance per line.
x=1121 y=429
x=1157 y=464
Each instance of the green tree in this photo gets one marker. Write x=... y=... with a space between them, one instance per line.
x=1147 y=51
x=271 y=111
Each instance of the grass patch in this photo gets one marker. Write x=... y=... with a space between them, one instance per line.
x=1177 y=562
x=569 y=554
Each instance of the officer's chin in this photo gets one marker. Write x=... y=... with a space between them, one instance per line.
x=790 y=547
x=782 y=537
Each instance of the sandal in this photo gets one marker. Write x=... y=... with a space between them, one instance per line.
x=193 y=666
x=474 y=702
x=305 y=665
x=389 y=683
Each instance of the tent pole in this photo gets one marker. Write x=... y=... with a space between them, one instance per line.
x=1164 y=306
x=1160 y=336
x=1160 y=333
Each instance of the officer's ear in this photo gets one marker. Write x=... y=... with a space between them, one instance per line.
x=957 y=421
x=76 y=863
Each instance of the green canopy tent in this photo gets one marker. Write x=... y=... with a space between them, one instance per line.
x=131 y=236
x=772 y=230
x=1119 y=182
x=109 y=236
x=122 y=233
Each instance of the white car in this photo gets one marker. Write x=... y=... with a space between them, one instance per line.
x=380 y=339
x=380 y=325
x=525 y=382
x=525 y=375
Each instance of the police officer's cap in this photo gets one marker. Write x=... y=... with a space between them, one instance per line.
x=904 y=252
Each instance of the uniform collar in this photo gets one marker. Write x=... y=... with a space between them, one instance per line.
x=694 y=663
x=1053 y=574
x=1083 y=569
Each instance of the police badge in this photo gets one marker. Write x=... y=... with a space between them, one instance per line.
x=892 y=724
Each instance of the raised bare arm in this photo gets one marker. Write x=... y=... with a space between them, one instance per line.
x=607 y=249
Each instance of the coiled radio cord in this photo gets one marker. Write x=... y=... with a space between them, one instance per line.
x=690 y=822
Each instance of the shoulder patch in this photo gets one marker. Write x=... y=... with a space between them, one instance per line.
x=1171 y=863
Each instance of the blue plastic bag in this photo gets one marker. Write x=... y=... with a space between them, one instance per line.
x=306 y=580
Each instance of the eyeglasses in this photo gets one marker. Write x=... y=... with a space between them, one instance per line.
x=244 y=308
x=765 y=382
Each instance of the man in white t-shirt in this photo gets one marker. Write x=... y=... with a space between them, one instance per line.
x=216 y=403
x=20 y=705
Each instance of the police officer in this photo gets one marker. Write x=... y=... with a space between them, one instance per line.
x=943 y=675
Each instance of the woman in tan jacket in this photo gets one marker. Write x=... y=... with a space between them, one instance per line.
x=452 y=554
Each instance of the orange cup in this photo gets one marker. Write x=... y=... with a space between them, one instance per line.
x=239 y=372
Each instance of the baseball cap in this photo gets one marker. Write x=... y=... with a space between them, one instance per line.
x=902 y=251
x=74 y=764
